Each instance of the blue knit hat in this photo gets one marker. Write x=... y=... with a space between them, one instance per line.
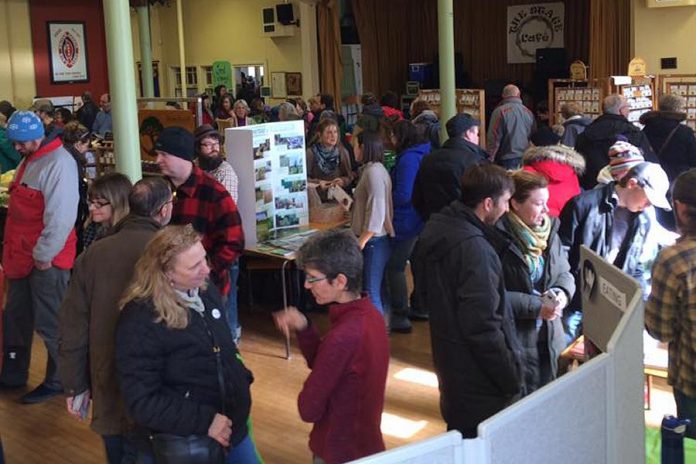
x=24 y=126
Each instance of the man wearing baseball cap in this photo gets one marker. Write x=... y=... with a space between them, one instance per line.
x=38 y=252
x=614 y=221
x=202 y=202
x=669 y=312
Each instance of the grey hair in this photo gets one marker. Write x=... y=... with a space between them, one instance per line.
x=613 y=103
x=511 y=90
x=241 y=102
x=286 y=109
x=148 y=196
x=671 y=102
x=334 y=252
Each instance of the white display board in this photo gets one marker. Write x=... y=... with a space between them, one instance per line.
x=270 y=161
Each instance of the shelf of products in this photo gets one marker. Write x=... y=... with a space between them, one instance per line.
x=471 y=101
x=685 y=86
x=588 y=94
x=640 y=94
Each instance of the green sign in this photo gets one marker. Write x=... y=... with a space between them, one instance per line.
x=222 y=74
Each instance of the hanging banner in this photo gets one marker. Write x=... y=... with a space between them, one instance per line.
x=222 y=74
x=530 y=27
x=67 y=51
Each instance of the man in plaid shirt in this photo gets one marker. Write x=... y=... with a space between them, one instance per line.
x=670 y=313
x=202 y=202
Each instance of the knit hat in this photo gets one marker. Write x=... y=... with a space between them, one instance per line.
x=205 y=130
x=176 y=141
x=24 y=126
x=622 y=157
x=685 y=187
x=459 y=124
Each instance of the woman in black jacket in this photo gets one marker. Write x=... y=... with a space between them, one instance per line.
x=179 y=369
x=537 y=277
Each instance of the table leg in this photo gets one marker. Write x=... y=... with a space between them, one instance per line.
x=285 y=304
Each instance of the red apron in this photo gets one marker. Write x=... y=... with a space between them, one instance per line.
x=25 y=224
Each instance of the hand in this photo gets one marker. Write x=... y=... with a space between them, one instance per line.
x=338 y=182
x=324 y=184
x=548 y=311
x=42 y=266
x=220 y=430
x=290 y=319
x=70 y=401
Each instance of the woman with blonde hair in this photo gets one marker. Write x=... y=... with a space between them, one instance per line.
x=107 y=199
x=181 y=375
x=240 y=114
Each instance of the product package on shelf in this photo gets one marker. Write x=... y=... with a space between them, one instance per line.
x=470 y=101
x=640 y=100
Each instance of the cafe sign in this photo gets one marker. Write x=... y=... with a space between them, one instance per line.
x=530 y=27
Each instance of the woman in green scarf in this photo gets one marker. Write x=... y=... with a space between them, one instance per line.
x=537 y=277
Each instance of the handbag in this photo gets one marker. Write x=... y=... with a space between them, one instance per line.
x=193 y=449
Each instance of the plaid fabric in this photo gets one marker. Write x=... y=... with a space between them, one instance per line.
x=228 y=178
x=670 y=313
x=205 y=203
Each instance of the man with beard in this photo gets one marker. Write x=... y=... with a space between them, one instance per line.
x=459 y=278
x=211 y=161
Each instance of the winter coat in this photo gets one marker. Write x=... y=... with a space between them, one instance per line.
x=88 y=317
x=428 y=125
x=476 y=353
x=679 y=154
x=594 y=143
x=509 y=129
x=561 y=166
x=87 y=113
x=525 y=301
x=169 y=377
x=9 y=158
x=407 y=222
x=572 y=128
x=588 y=219
x=438 y=180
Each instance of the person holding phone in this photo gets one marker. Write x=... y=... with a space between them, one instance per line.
x=538 y=281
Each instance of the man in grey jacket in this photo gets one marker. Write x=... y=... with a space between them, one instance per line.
x=38 y=250
x=509 y=129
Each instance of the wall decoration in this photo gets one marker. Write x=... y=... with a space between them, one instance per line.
x=67 y=52
x=293 y=83
x=278 y=85
x=530 y=27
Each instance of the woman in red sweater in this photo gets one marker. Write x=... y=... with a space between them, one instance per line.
x=344 y=394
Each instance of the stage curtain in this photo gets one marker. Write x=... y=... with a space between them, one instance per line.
x=330 y=64
x=610 y=37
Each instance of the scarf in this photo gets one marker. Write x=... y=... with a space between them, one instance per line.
x=327 y=159
x=532 y=242
x=192 y=299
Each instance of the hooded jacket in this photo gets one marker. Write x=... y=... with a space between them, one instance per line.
x=407 y=222
x=561 y=166
x=476 y=353
x=593 y=144
x=428 y=125
x=437 y=182
x=509 y=129
x=679 y=153
x=574 y=127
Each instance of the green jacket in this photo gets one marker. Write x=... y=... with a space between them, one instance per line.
x=9 y=158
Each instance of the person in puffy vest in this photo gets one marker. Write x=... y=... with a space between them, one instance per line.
x=38 y=252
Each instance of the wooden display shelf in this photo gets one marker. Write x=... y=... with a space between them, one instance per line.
x=471 y=101
x=684 y=85
x=640 y=94
x=588 y=93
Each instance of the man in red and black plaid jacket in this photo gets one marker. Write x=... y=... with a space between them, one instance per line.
x=203 y=202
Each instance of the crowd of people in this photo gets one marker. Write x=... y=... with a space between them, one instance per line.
x=133 y=287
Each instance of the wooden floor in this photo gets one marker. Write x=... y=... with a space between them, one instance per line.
x=44 y=433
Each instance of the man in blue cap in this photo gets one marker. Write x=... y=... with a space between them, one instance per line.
x=39 y=251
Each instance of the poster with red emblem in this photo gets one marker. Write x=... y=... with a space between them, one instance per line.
x=68 y=52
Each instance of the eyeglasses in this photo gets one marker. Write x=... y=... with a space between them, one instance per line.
x=96 y=204
x=312 y=280
x=210 y=144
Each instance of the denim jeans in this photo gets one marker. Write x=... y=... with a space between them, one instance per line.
x=232 y=303
x=686 y=409
x=244 y=453
x=375 y=257
x=395 y=275
x=119 y=450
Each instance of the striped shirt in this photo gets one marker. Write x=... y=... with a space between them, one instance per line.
x=670 y=313
x=204 y=203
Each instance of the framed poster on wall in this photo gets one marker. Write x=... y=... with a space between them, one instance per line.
x=67 y=51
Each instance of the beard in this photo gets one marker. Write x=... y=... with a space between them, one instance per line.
x=209 y=163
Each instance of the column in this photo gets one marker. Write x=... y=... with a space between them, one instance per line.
x=445 y=28
x=145 y=50
x=124 y=110
x=182 y=50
